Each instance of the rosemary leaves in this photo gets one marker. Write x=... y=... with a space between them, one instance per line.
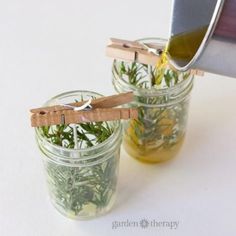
x=81 y=173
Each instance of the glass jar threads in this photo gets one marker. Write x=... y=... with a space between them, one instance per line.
x=162 y=97
x=81 y=172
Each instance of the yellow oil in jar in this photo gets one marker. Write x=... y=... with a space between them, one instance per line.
x=182 y=48
x=150 y=149
x=147 y=154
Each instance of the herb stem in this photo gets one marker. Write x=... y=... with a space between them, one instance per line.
x=75 y=136
x=150 y=75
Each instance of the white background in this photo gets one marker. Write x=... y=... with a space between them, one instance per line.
x=51 y=46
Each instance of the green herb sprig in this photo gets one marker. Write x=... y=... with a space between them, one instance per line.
x=139 y=75
x=87 y=190
x=89 y=134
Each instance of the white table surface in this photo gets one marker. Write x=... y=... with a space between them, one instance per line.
x=48 y=47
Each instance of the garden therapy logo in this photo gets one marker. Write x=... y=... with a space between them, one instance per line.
x=145 y=224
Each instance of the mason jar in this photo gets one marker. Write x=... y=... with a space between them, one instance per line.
x=162 y=97
x=81 y=178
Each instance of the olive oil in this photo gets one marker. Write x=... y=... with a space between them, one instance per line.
x=158 y=133
x=183 y=47
x=146 y=153
x=180 y=48
x=158 y=142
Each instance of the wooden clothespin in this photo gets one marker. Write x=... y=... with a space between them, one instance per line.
x=101 y=109
x=133 y=51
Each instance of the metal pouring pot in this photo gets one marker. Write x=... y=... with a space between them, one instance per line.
x=217 y=50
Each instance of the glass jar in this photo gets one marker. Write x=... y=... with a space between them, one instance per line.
x=81 y=180
x=162 y=97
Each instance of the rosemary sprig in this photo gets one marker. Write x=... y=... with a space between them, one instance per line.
x=138 y=74
x=89 y=134
x=86 y=190
x=134 y=74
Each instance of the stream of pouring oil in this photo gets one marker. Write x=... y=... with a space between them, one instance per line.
x=182 y=47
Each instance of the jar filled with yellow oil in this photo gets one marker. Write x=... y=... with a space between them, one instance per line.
x=162 y=96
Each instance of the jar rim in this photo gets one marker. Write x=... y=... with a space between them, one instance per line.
x=111 y=138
